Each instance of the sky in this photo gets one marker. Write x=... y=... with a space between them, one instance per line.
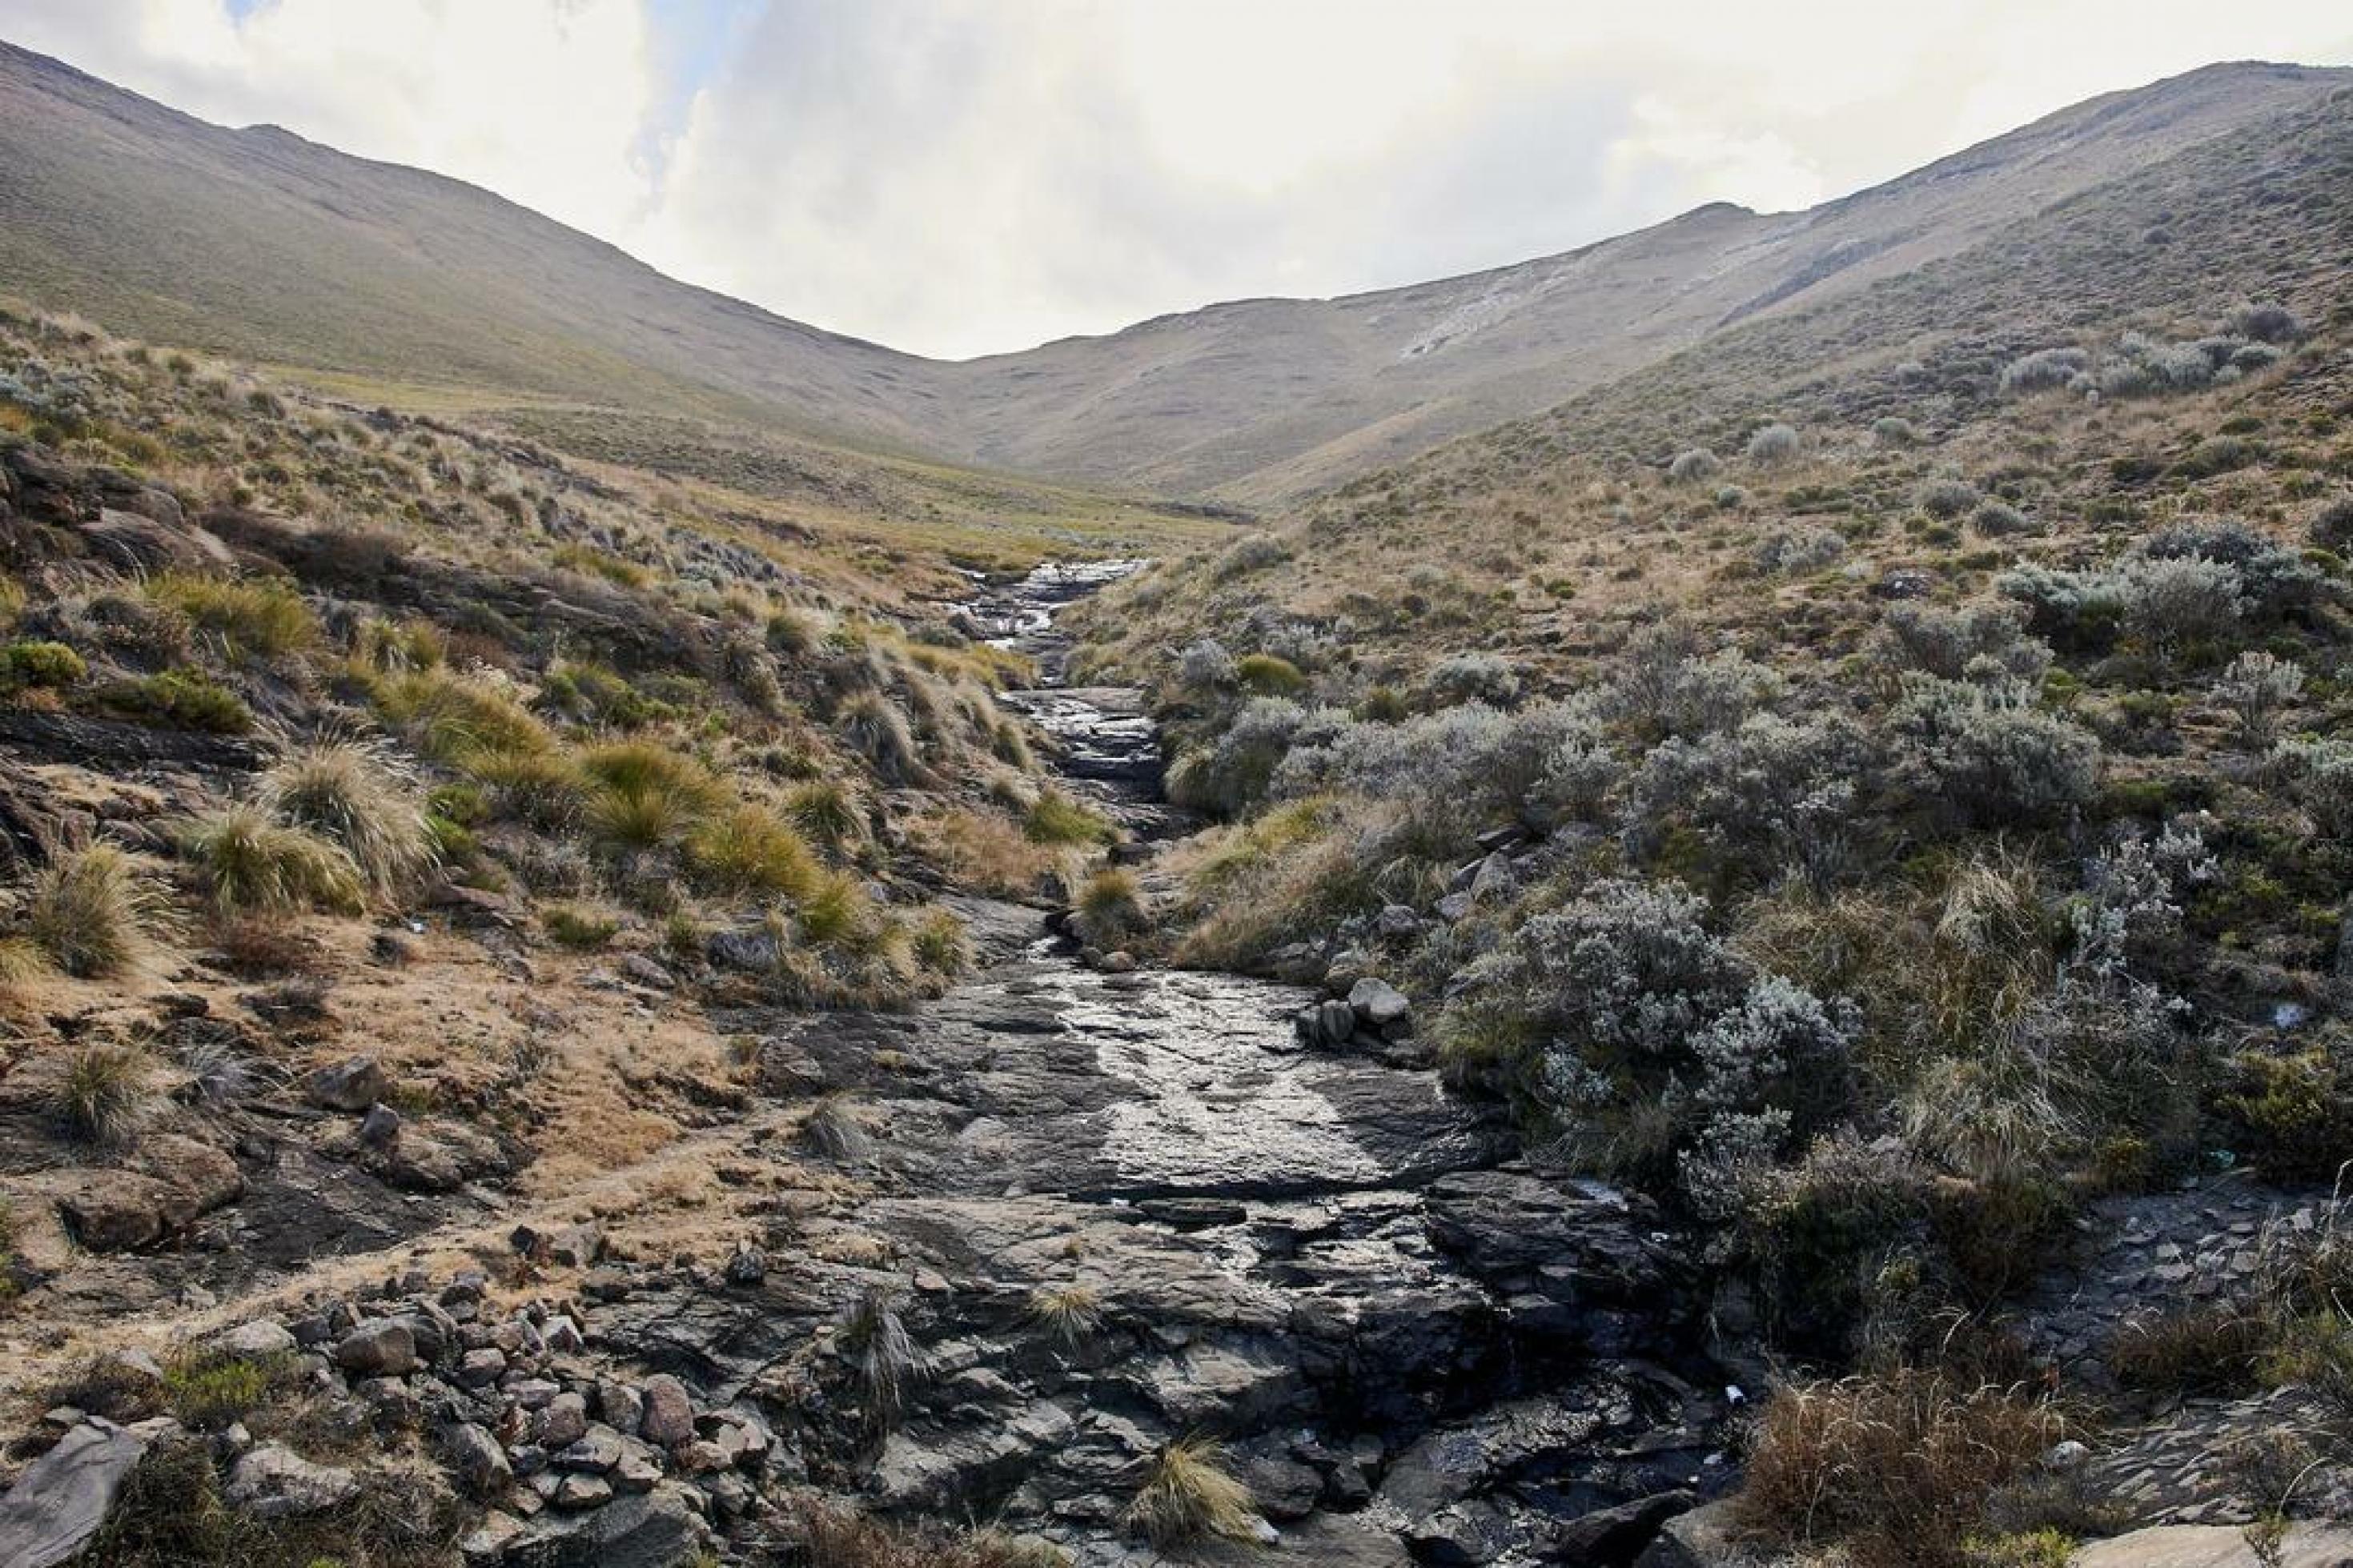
x=958 y=177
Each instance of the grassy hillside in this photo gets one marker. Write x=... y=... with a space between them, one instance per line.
x=396 y=285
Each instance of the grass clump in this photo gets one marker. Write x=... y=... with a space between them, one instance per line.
x=94 y=915
x=462 y=722
x=178 y=699
x=1110 y=906
x=44 y=665
x=107 y=1093
x=838 y=1537
x=874 y=1339
x=942 y=946
x=255 y=618
x=582 y=931
x=1269 y=675
x=826 y=811
x=1898 y=1468
x=211 y=1389
x=643 y=795
x=353 y=795
x=1055 y=818
x=251 y=865
x=1068 y=1314
x=877 y=729
x=1191 y=1496
x=751 y=849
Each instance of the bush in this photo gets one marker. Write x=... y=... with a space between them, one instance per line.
x=1898 y=1468
x=107 y=1092
x=94 y=915
x=1946 y=499
x=2000 y=519
x=1269 y=675
x=1892 y=431
x=1992 y=760
x=180 y=699
x=2254 y=688
x=259 y=616
x=2174 y=602
x=1694 y=467
x=2265 y=321
x=2274 y=583
x=1662 y=685
x=1769 y=795
x=46 y=665
x=355 y=796
x=2332 y=525
x=1485 y=678
x=1797 y=550
x=1456 y=770
x=2293 y=1112
x=1814 y=1238
x=1772 y=444
x=1235 y=772
x=1976 y=642
x=2044 y=370
x=1253 y=552
x=2080 y=612
x=251 y=865
x=1206 y=666
x=1191 y=1497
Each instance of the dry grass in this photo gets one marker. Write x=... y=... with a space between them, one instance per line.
x=751 y=849
x=255 y=618
x=250 y=865
x=107 y=1093
x=95 y=915
x=1191 y=1496
x=354 y=794
x=983 y=853
x=1110 y=907
x=828 y=1537
x=1068 y=1314
x=1898 y=1468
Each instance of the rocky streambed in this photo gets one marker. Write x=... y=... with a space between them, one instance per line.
x=999 y=1252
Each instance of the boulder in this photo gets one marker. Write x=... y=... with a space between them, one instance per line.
x=2311 y=1544
x=656 y=1528
x=1703 y=1538
x=669 y=1417
x=377 y=1348
x=480 y=1463
x=273 y=1481
x=114 y=1210
x=135 y=542
x=353 y=1084
x=261 y=1337
x=1377 y=1003
x=63 y=1498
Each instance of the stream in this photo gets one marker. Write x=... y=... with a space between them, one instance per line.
x=1412 y=1348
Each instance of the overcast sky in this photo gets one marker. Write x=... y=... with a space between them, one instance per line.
x=963 y=176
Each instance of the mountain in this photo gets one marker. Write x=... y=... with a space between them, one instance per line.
x=260 y=245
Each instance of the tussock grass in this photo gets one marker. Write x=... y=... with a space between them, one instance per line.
x=1110 y=907
x=874 y=1339
x=1055 y=818
x=1069 y=1313
x=941 y=945
x=751 y=849
x=1897 y=1468
x=254 y=617
x=831 y=1537
x=828 y=811
x=874 y=726
x=107 y=1093
x=1189 y=1496
x=355 y=796
x=95 y=915
x=251 y=865
x=461 y=720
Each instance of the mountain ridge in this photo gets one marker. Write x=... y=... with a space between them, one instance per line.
x=263 y=244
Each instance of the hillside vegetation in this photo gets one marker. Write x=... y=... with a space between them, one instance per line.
x=1873 y=782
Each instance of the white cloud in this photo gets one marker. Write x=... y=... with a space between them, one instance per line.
x=962 y=175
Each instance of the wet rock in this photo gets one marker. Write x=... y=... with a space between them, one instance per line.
x=1615 y=1537
x=377 y=1348
x=1192 y=1214
x=273 y=1481
x=63 y=1498
x=353 y=1084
